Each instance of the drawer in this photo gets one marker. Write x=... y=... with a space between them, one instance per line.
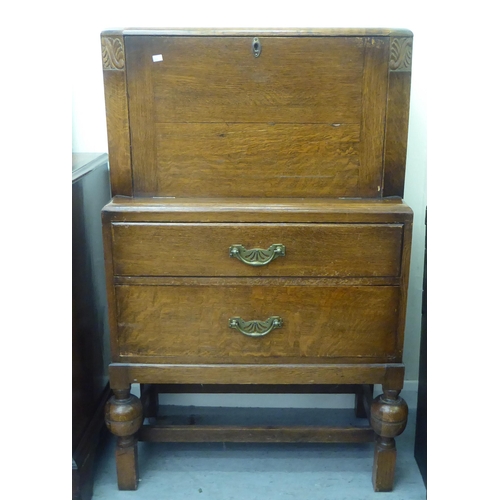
x=191 y=324
x=327 y=250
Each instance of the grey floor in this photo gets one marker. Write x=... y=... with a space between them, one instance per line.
x=223 y=471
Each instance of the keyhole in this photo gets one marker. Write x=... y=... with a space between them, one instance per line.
x=256 y=47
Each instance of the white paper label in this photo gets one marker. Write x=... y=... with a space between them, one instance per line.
x=157 y=58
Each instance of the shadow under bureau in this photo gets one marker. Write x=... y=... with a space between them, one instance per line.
x=257 y=237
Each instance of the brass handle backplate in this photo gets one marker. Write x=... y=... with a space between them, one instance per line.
x=257 y=256
x=255 y=328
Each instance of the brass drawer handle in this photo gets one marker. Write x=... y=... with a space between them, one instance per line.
x=257 y=256
x=255 y=328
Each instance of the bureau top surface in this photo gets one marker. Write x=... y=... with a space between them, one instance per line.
x=262 y=31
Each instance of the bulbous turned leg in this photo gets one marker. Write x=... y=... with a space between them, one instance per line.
x=389 y=414
x=123 y=416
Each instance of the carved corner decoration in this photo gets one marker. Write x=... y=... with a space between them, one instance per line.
x=113 y=55
x=401 y=49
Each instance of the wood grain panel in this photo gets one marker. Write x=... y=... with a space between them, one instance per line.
x=117 y=117
x=107 y=240
x=373 y=210
x=229 y=159
x=281 y=32
x=246 y=281
x=142 y=115
x=319 y=322
x=218 y=79
x=397 y=132
x=373 y=120
x=211 y=119
x=403 y=291
x=247 y=434
x=122 y=374
x=203 y=249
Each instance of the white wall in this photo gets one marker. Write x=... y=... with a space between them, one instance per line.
x=89 y=125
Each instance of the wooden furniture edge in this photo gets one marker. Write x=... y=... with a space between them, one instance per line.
x=257 y=388
x=251 y=281
x=404 y=285
x=85 y=453
x=247 y=434
x=252 y=210
x=107 y=241
x=117 y=116
x=259 y=32
x=123 y=374
x=397 y=114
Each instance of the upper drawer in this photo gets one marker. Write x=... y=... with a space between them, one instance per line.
x=176 y=249
x=205 y=117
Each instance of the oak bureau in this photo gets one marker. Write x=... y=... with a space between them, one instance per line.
x=257 y=239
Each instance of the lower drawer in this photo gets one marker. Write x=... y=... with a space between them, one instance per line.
x=191 y=324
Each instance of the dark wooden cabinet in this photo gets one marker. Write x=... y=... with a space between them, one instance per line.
x=91 y=352
x=421 y=421
x=257 y=235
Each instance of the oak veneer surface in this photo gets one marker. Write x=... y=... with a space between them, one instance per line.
x=157 y=249
x=302 y=144
x=191 y=322
x=340 y=288
x=288 y=32
x=122 y=374
x=171 y=209
x=212 y=117
x=218 y=79
x=193 y=111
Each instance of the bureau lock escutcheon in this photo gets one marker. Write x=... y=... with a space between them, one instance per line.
x=256 y=47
